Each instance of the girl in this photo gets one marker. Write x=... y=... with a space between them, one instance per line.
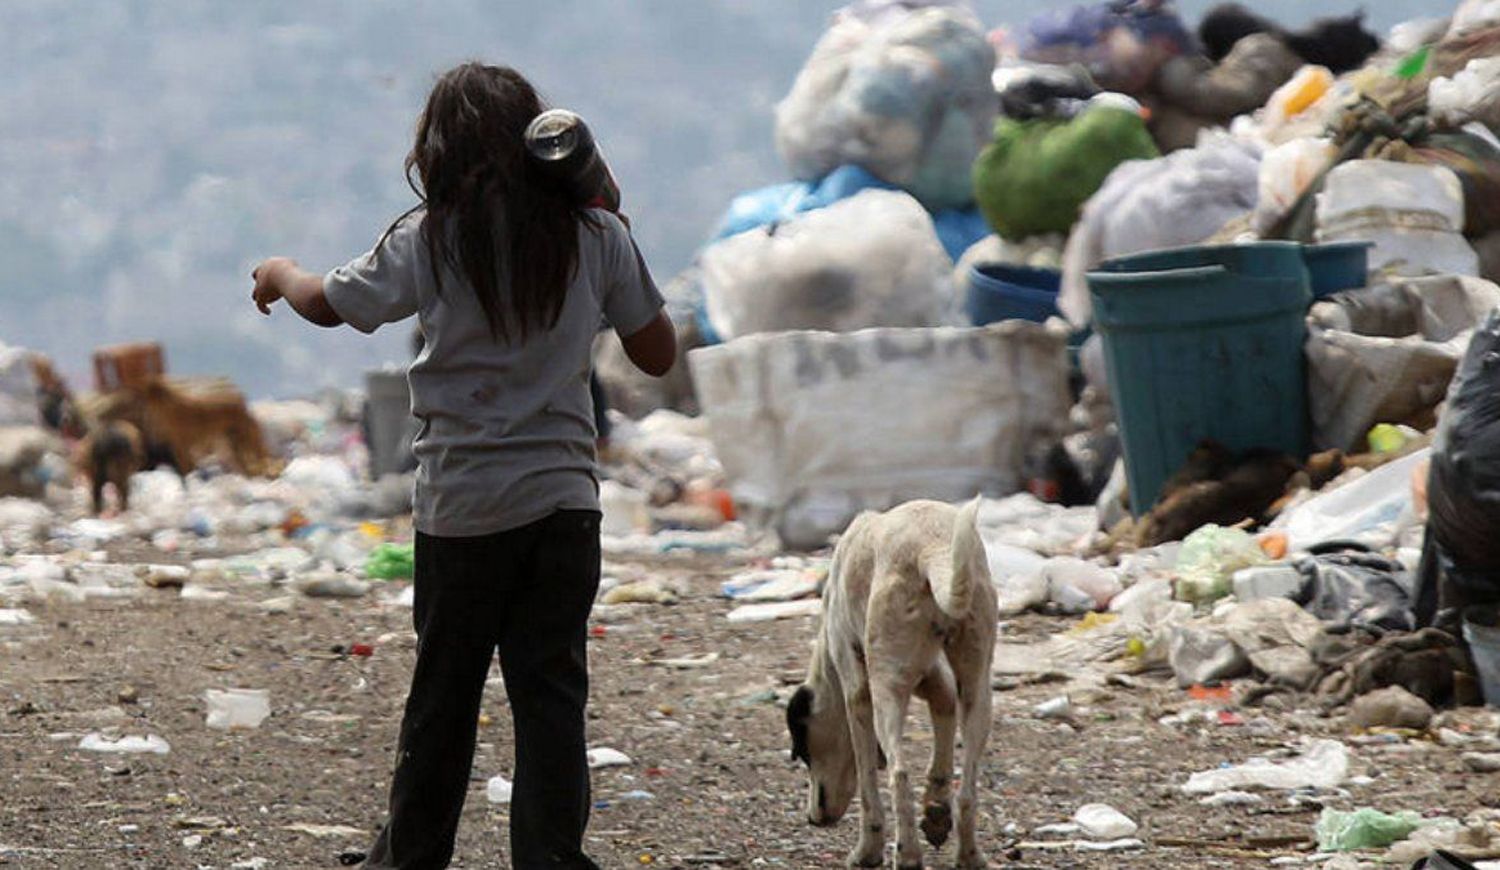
x=509 y=280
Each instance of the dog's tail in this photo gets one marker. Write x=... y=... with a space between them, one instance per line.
x=954 y=579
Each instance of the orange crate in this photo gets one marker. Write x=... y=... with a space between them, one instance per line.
x=127 y=365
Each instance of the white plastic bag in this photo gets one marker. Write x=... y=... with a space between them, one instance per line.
x=873 y=259
x=625 y=510
x=1077 y=586
x=906 y=96
x=1368 y=511
x=1016 y=573
x=237 y=708
x=1104 y=822
x=130 y=744
x=1285 y=174
x=1413 y=213
x=815 y=427
x=1145 y=205
x=1474 y=15
x=498 y=790
x=1324 y=764
x=1472 y=94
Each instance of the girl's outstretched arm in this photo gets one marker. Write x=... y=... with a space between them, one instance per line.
x=281 y=278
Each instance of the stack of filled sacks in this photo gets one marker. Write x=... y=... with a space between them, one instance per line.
x=885 y=120
x=1427 y=102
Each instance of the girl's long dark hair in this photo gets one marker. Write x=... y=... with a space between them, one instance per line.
x=490 y=214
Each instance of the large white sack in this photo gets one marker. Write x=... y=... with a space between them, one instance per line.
x=1387 y=354
x=1146 y=205
x=1474 y=15
x=814 y=427
x=1412 y=212
x=873 y=259
x=1472 y=94
x=906 y=95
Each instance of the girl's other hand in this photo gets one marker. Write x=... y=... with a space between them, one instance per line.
x=268 y=282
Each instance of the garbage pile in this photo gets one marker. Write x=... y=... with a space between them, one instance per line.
x=1207 y=316
x=1218 y=360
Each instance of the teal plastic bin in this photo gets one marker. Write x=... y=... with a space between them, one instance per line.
x=1203 y=343
x=1333 y=267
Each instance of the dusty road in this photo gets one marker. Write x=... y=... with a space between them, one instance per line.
x=707 y=743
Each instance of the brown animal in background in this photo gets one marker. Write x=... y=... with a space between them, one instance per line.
x=196 y=425
x=1216 y=486
x=111 y=453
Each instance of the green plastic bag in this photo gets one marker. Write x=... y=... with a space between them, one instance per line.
x=1208 y=559
x=391 y=562
x=1414 y=64
x=1363 y=829
x=1036 y=176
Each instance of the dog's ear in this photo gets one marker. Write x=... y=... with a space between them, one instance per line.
x=798 y=711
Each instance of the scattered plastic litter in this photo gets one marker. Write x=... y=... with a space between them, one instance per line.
x=787 y=584
x=1056 y=708
x=776 y=610
x=499 y=790
x=391 y=562
x=1364 y=828
x=125 y=745
x=1323 y=764
x=231 y=709
x=329 y=585
x=325 y=831
x=1231 y=799
x=1209 y=559
x=1125 y=844
x=642 y=592
x=1103 y=822
x=605 y=757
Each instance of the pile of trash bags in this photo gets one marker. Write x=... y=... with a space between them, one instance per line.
x=900 y=89
x=840 y=306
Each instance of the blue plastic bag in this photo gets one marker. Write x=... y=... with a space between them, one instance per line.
x=958 y=229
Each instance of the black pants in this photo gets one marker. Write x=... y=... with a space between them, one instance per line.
x=528 y=593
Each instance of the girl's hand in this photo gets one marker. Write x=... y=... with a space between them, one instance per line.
x=269 y=277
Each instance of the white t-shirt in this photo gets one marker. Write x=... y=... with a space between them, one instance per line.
x=507 y=428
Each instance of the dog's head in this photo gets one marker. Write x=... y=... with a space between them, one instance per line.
x=819 y=727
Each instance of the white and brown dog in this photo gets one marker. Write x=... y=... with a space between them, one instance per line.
x=908 y=610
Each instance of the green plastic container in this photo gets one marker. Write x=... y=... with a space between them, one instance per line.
x=1203 y=343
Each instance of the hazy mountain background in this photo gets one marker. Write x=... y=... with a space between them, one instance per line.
x=152 y=152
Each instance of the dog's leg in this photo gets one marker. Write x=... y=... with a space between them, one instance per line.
x=891 y=703
x=937 y=803
x=119 y=474
x=871 y=849
x=974 y=699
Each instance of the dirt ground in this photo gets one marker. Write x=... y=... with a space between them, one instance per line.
x=708 y=745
